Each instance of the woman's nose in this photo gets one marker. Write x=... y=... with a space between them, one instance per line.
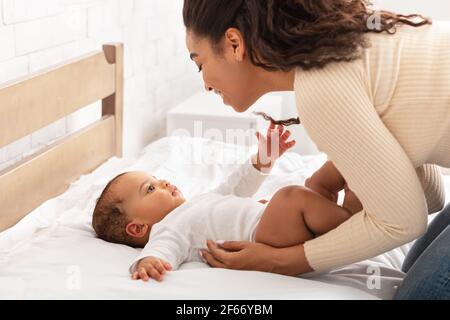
x=208 y=88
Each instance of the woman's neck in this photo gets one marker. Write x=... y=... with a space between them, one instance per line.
x=278 y=80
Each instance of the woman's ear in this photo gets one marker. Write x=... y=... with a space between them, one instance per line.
x=137 y=230
x=233 y=38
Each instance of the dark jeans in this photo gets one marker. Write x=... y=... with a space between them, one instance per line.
x=427 y=265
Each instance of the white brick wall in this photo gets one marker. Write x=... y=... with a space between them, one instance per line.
x=436 y=9
x=158 y=72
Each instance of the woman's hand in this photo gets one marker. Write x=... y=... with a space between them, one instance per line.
x=243 y=255
x=272 y=146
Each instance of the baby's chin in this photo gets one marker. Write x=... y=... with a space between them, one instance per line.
x=177 y=194
x=179 y=198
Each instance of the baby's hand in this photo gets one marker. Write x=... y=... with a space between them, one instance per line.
x=151 y=267
x=273 y=145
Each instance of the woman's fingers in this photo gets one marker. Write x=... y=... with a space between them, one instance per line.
x=217 y=257
x=233 y=245
x=211 y=260
x=217 y=252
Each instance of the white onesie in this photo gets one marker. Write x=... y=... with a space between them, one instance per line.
x=225 y=213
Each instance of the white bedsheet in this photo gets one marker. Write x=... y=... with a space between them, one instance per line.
x=53 y=252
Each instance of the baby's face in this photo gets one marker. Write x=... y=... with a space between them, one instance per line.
x=147 y=199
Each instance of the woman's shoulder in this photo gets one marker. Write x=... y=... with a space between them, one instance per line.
x=408 y=37
x=316 y=84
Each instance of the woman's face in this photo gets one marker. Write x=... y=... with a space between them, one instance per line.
x=231 y=74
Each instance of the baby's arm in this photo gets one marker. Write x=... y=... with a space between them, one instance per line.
x=243 y=182
x=247 y=179
x=166 y=247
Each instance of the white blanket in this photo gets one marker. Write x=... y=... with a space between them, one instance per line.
x=53 y=252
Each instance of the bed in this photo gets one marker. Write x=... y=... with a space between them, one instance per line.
x=48 y=249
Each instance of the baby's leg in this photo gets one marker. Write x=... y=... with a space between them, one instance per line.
x=296 y=214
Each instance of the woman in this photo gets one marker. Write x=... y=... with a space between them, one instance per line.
x=373 y=92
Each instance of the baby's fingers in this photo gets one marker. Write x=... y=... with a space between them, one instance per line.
x=285 y=135
x=167 y=266
x=290 y=144
x=159 y=266
x=280 y=129
x=143 y=274
x=270 y=129
x=155 y=274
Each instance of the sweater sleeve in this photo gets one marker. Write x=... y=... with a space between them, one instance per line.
x=337 y=112
x=431 y=178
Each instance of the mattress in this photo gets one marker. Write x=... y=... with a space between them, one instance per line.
x=53 y=252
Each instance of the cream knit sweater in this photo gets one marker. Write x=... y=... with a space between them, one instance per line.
x=383 y=120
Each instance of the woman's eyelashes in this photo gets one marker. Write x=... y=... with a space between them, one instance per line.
x=200 y=68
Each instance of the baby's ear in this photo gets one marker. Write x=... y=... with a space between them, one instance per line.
x=136 y=230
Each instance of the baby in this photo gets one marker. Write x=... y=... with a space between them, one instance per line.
x=143 y=211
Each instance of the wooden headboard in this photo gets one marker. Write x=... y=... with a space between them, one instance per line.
x=33 y=102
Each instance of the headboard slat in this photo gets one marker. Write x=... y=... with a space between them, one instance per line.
x=33 y=102
x=41 y=99
x=50 y=172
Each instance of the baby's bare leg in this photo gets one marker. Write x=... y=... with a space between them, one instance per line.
x=296 y=214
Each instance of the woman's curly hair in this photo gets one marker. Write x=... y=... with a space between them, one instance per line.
x=282 y=34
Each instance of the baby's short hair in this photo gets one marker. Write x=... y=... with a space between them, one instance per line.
x=109 y=220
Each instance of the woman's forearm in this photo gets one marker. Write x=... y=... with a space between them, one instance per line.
x=291 y=261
